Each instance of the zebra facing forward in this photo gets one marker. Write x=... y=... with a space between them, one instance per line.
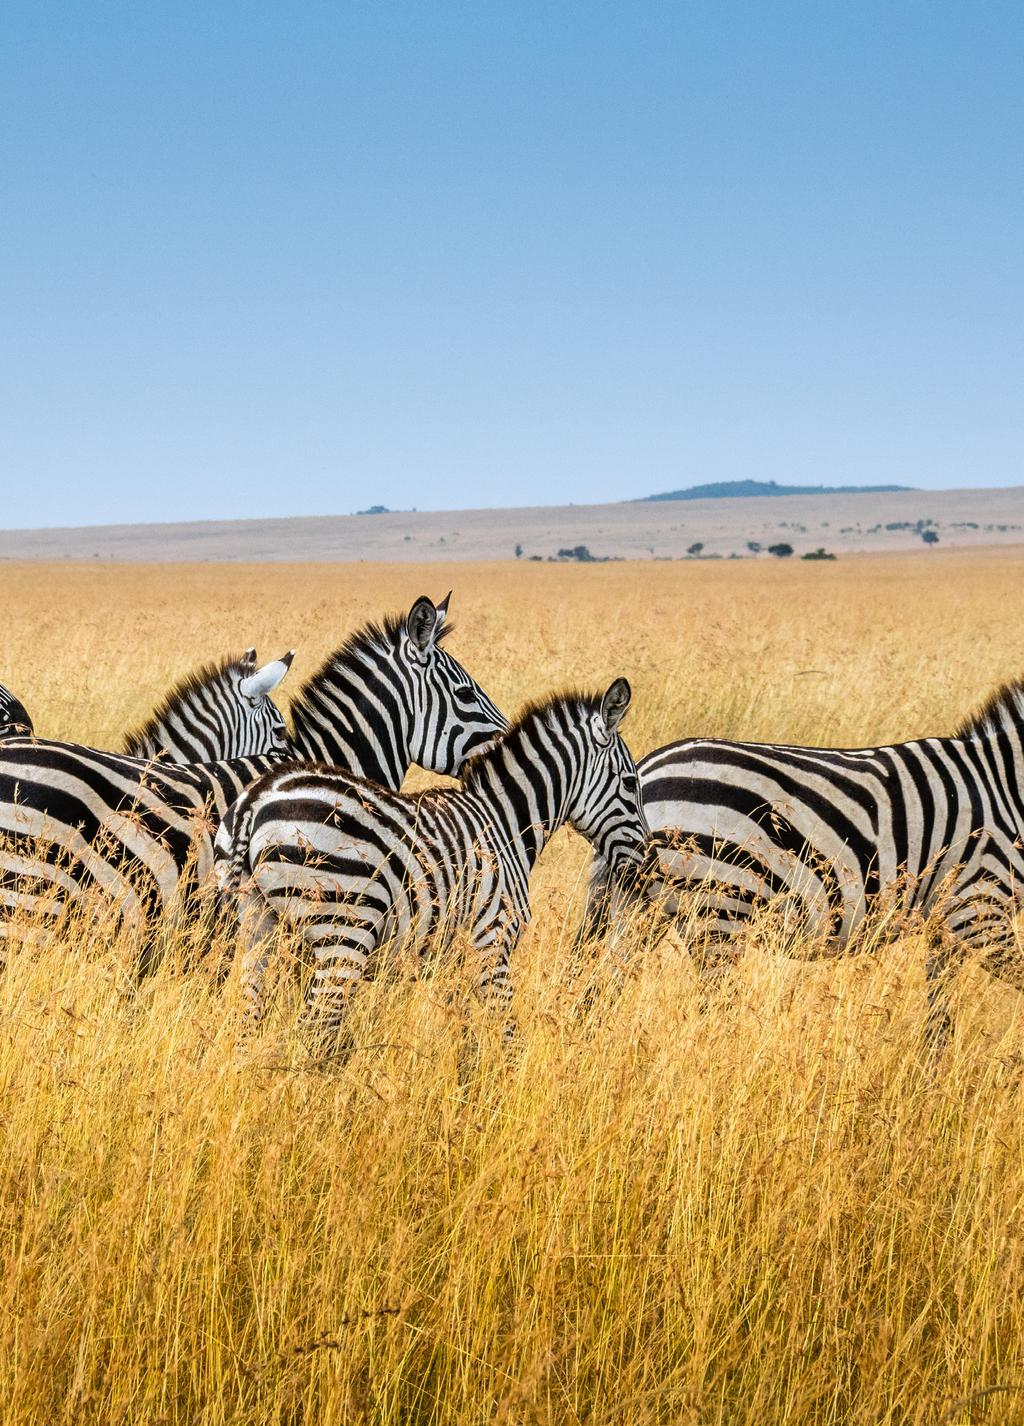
x=934 y=825
x=353 y=866
x=14 y=719
x=75 y=822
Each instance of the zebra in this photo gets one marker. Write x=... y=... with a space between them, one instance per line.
x=138 y=830
x=14 y=719
x=74 y=820
x=933 y=827
x=353 y=866
x=219 y=711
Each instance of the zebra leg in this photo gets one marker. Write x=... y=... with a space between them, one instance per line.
x=597 y=911
x=494 y=942
x=938 y=969
x=339 y=964
x=978 y=918
x=256 y=925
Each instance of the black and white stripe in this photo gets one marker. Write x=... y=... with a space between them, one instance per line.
x=930 y=826
x=221 y=711
x=75 y=822
x=14 y=719
x=353 y=866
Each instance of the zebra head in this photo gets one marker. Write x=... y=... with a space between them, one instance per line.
x=13 y=716
x=604 y=801
x=451 y=716
x=222 y=711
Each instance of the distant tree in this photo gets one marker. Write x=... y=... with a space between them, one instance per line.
x=578 y=552
x=754 y=546
x=780 y=551
x=519 y=552
x=695 y=548
x=930 y=537
x=818 y=554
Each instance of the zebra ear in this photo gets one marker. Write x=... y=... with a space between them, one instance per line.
x=266 y=679
x=615 y=704
x=248 y=661
x=442 y=613
x=422 y=623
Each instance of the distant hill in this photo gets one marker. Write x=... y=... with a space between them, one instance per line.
x=730 y=489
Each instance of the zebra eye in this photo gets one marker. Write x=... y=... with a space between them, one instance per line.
x=465 y=693
x=629 y=785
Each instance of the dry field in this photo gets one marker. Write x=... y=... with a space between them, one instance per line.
x=764 y=1209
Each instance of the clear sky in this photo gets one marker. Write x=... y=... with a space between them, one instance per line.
x=298 y=258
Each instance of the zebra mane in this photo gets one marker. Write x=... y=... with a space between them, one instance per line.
x=136 y=741
x=537 y=711
x=1003 y=708
x=381 y=637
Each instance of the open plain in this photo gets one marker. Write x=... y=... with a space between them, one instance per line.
x=764 y=1208
x=630 y=529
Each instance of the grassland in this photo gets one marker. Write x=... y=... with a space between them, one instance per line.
x=765 y=1209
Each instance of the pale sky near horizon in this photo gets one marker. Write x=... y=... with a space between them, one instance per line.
x=287 y=260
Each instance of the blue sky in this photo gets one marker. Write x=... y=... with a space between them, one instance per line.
x=296 y=259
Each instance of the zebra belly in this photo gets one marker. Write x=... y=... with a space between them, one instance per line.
x=737 y=864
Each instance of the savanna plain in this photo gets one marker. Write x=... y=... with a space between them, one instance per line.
x=758 y=1206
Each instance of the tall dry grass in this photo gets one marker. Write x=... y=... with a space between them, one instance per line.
x=766 y=1208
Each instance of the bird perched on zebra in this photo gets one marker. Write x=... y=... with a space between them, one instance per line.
x=14 y=719
x=930 y=826
x=354 y=866
x=138 y=831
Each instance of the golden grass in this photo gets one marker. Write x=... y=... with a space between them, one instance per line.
x=765 y=1209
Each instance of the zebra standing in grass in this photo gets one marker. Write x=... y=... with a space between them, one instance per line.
x=76 y=821
x=139 y=830
x=14 y=719
x=353 y=865
x=935 y=825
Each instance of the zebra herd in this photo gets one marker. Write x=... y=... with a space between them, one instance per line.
x=309 y=829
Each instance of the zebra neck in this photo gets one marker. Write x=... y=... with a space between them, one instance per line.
x=999 y=758
x=523 y=802
x=346 y=729
x=161 y=744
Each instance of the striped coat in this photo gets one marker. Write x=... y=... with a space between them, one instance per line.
x=354 y=866
x=76 y=821
x=934 y=826
x=14 y=719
